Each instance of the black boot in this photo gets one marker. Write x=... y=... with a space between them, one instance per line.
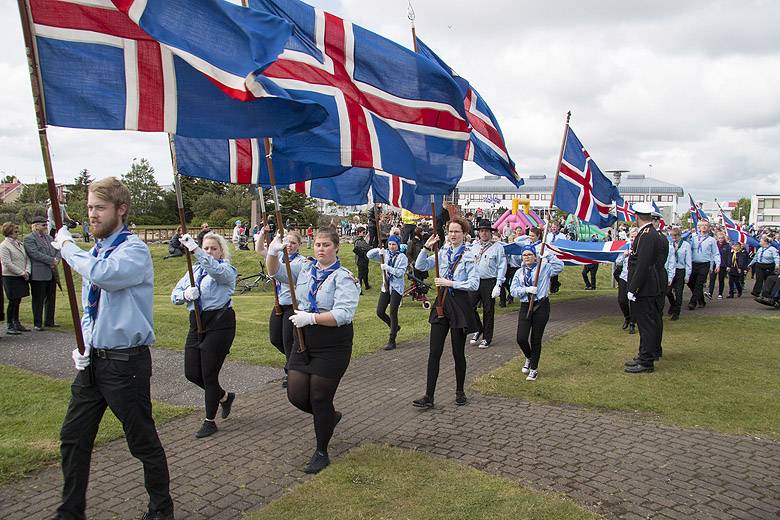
x=390 y=342
x=21 y=328
x=11 y=330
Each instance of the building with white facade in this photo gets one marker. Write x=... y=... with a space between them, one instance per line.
x=765 y=210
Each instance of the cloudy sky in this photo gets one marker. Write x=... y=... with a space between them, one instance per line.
x=687 y=92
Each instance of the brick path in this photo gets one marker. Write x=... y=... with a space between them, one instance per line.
x=591 y=457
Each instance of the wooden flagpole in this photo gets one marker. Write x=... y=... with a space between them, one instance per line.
x=547 y=225
x=40 y=115
x=272 y=179
x=264 y=217
x=183 y=224
x=378 y=216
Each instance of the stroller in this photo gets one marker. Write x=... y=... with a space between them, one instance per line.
x=418 y=291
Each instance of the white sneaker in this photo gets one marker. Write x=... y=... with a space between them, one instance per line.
x=475 y=338
x=532 y=375
x=720 y=296
x=484 y=343
x=527 y=366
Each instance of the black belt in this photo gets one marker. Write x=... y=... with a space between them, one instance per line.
x=119 y=354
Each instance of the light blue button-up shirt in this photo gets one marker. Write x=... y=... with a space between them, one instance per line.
x=623 y=260
x=766 y=255
x=339 y=293
x=704 y=249
x=465 y=277
x=551 y=266
x=216 y=288
x=126 y=279
x=682 y=260
x=295 y=266
x=490 y=260
x=395 y=274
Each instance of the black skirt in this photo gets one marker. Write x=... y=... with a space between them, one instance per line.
x=458 y=312
x=330 y=349
x=15 y=287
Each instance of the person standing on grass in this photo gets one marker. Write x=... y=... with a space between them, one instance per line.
x=524 y=284
x=394 y=264
x=117 y=294
x=44 y=275
x=280 y=328
x=457 y=277
x=327 y=296
x=16 y=273
x=205 y=352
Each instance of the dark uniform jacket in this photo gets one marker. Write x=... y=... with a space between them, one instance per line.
x=646 y=270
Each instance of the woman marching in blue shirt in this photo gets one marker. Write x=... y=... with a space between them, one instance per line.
x=394 y=264
x=327 y=297
x=204 y=353
x=523 y=286
x=458 y=276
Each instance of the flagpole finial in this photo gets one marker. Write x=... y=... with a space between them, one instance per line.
x=410 y=13
x=568 y=117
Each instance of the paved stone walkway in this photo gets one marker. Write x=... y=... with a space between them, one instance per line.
x=258 y=452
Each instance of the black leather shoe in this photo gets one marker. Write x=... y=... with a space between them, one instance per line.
x=638 y=369
x=502 y=305
x=284 y=381
x=39 y=328
x=626 y=324
x=11 y=331
x=390 y=344
x=21 y=328
x=691 y=306
x=632 y=329
x=318 y=462
x=675 y=317
x=227 y=405
x=52 y=325
x=730 y=296
x=423 y=402
x=157 y=515
x=460 y=398
x=208 y=428
x=632 y=363
x=702 y=305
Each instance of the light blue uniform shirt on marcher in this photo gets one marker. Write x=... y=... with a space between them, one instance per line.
x=216 y=288
x=126 y=279
x=490 y=260
x=683 y=260
x=295 y=266
x=339 y=293
x=465 y=277
x=395 y=274
x=551 y=266
x=766 y=255
x=704 y=249
x=623 y=260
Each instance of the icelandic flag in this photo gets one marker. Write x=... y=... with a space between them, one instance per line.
x=486 y=145
x=582 y=189
x=625 y=211
x=656 y=208
x=390 y=109
x=696 y=212
x=737 y=235
x=100 y=70
x=580 y=253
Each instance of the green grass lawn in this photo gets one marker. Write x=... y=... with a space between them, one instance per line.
x=716 y=373
x=389 y=483
x=253 y=308
x=32 y=408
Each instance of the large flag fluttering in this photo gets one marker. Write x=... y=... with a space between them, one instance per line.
x=580 y=253
x=696 y=212
x=625 y=211
x=582 y=189
x=100 y=70
x=486 y=145
x=736 y=234
x=658 y=210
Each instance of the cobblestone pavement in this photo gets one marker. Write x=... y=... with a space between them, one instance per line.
x=257 y=455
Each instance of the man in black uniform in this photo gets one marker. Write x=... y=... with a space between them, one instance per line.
x=647 y=281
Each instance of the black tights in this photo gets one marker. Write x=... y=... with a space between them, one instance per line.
x=394 y=301
x=203 y=361
x=458 y=339
x=314 y=394
x=13 y=310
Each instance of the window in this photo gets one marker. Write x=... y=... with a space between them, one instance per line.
x=760 y=203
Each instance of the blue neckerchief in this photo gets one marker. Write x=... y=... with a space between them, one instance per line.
x=293 y=257
x=528 y=274
x=391 y=261
x=201 y=276
x=452 y=262
x=315 y=286
x=700 y=241
x=93 y=297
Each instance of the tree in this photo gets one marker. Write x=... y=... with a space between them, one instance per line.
x=78 y=190
x=144 y=190
x=10 y=179
x=685 y=220
x=34 y=194
x=742 y=210
x=193 y=188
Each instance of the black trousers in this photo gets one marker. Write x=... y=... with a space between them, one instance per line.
x=393 y=300
x=43 y=297
x=720 y=275
x=675 y=291
x=12 y=313
x=510 y=274
x=122 y=386
x=699 y=271
x=484 y=294
x=281 y=330
x=363 y=274
x=763 y=271
x=736 y=283
x=623 y=301
x=532 y=327
x=590 y=269
x=373 y=240
x=648 y=311
x=439 y=333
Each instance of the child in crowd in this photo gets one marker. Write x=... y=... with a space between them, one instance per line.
x=737 y=267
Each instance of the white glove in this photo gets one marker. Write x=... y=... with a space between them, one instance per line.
x=191 y=294
x=62 y=236
x=81 y=362
x=496 y=292
x=384 y=267
x=531 y=289
x=631 y=297
x=277 y=245
x=188 y=242
x=301 y=318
